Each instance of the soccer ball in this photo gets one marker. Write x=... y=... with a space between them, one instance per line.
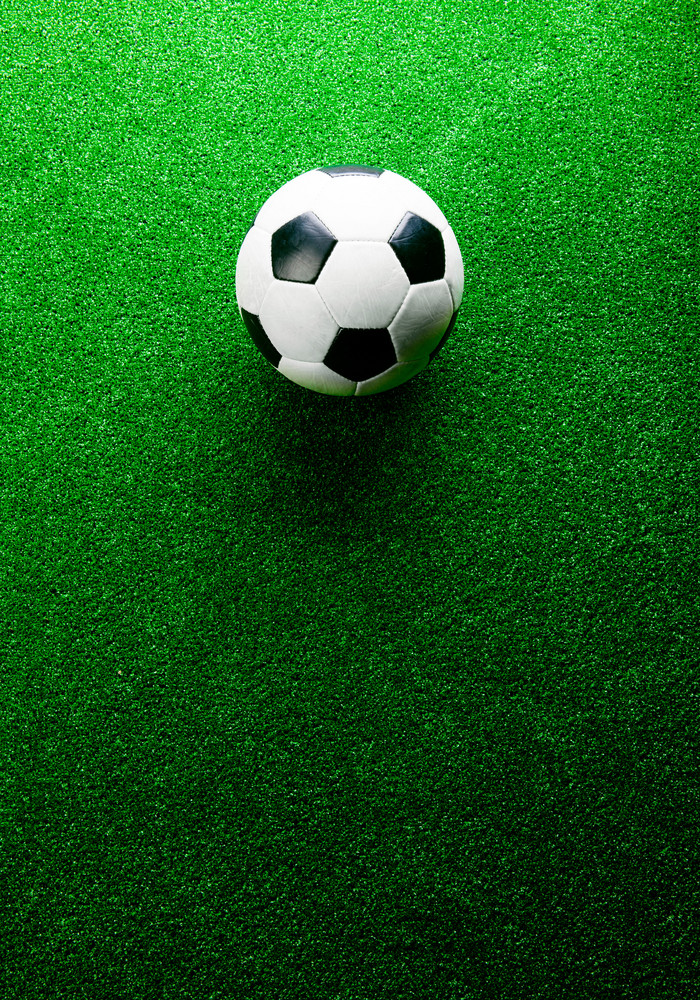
x=349 y=280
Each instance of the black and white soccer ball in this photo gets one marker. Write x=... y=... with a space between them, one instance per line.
x=349 y=280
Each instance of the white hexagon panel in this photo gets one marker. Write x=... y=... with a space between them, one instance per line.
x=363 y=284
x=350 y=280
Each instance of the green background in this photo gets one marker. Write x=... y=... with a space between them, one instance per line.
x=304 y=696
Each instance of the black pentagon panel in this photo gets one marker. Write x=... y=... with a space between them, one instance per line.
x=349 y=168
x=361 y=354
x=300 y=248
x=260 y=338
x=444 y=337
x=420 y=248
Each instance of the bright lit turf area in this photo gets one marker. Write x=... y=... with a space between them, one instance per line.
x=350 y=699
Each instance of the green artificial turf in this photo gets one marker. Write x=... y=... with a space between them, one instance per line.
x=349 y=699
